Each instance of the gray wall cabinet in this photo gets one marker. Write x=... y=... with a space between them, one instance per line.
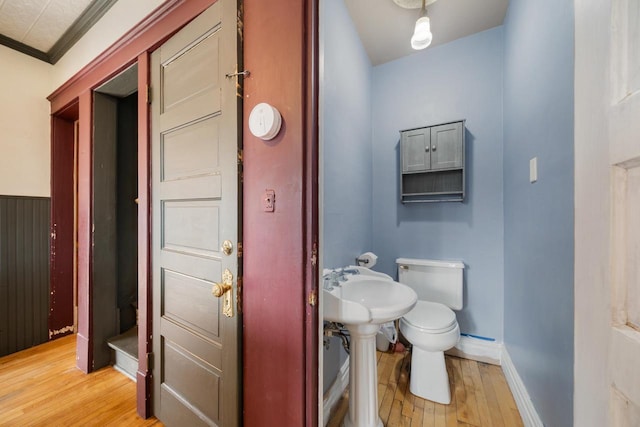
x=432 y=163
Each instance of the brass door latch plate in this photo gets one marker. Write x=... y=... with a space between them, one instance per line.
x=225 y=290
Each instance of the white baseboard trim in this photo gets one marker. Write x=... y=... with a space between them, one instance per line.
x=478 y=350
x=333 y=395
x=528 y=412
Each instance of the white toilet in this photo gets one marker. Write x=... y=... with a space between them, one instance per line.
x=431 y=326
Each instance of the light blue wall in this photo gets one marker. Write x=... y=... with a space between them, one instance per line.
x=538 y=277
x=515 y=238
x=458 y=80
x=346 y=138
x=345 y=114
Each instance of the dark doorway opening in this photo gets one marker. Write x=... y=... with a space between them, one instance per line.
x=115 y=222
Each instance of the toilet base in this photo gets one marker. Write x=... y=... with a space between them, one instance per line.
x=429 y=378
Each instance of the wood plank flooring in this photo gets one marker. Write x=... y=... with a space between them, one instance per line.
x=41 y=386
x=480 y=396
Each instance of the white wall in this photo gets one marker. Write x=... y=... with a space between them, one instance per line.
x=24 y=125
x=26 y=82
x=114 y=24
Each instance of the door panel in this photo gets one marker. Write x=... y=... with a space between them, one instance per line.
x=624 y=157
x=195 y=208
x=191 y=227
x=196 y=382
x=182 y=82
x=416 y=154
x=446 y=149
x=179 y=148
x=180 y=292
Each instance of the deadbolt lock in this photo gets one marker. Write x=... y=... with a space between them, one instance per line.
x=224 y=290
x=227 y=247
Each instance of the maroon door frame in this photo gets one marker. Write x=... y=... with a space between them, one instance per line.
x=280 y=366
x=145 y=314
x=311 y=134
x=61 y=254
x=280 y=325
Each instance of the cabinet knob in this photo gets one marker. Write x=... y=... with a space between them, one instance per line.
x=433 y=148
x=426 y=148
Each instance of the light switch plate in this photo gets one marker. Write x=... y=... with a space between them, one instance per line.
x=269 y=200
x=533 y=170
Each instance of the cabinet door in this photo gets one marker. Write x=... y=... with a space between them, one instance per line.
x=446 y=146
x=415 y=149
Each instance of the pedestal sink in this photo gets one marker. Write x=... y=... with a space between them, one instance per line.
x=362 y=302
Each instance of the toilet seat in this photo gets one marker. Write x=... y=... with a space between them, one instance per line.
x=431 y=317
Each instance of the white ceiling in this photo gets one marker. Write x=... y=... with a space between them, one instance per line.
x=386 y=28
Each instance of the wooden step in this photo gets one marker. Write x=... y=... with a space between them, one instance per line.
x=124 y=352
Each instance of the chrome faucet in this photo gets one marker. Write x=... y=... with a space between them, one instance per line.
x=335 y=277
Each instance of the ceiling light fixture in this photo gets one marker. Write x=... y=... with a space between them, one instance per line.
x=422 y=36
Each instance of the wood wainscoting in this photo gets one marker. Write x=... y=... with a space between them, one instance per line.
x=24 y=272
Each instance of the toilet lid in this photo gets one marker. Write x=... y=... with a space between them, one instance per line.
x=431 y=316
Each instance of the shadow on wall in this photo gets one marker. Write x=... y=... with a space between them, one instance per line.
x=460 y=212
x=465 y=317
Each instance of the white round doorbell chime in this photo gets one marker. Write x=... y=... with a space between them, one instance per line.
x=265 y=121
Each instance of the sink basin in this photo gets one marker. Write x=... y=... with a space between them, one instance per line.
x=366 y=298
x=362 y=301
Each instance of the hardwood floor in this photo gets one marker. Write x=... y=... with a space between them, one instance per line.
x=41 y=386
x=480 y=396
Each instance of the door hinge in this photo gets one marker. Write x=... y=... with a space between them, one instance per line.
x=150 y=362
x=239 y=291
x=313 y=298
x=240 y=155
x=239 y=250
x=148 y=94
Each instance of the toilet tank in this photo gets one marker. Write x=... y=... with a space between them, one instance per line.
x=436 y=281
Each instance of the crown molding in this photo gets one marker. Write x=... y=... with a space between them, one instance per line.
x=23 y=48
x=79 y=28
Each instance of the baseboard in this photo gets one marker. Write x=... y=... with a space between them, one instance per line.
x=478 y=350
x=528 y=412
x=333 y=395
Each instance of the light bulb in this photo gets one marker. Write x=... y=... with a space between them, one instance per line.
x=422 y=34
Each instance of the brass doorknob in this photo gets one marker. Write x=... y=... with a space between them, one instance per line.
x=220 y=288
x=227 y=247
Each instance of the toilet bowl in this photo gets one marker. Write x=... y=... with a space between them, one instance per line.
x=431 y=326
